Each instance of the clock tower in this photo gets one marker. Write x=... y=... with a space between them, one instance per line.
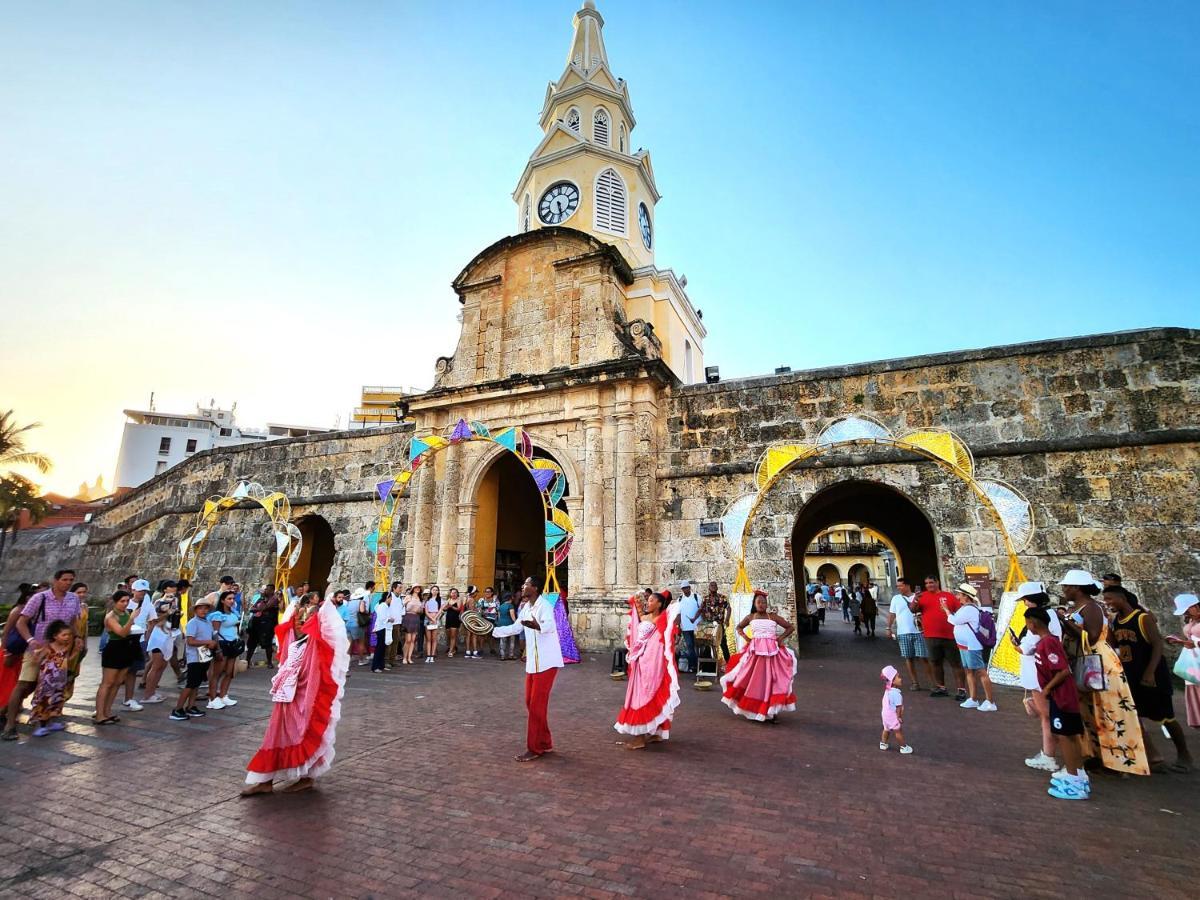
x=586 y=175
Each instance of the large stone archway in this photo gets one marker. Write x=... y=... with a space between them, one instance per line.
x=874 y=505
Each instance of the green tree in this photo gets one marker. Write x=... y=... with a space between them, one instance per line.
x=17 y=495
x=16 y=492
x=12 y=445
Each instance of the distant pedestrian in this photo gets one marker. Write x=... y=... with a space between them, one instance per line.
x=869 y=609
x=116 y=656
x=229 y=645
x=1032 y=595
x=411 y=620
x=453 y=620
x=264 y=615
x=507 y=618
x=433 y=619
x=381 y=635
x=488 y=606
x=893 y=711
x=903 y=627
x=689 y=615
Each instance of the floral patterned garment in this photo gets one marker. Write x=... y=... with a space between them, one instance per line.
x=50 y=693
x=1110 y=719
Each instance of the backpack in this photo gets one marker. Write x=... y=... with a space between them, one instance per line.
x=986 y=630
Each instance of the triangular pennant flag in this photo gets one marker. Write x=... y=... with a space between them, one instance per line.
x=372 y=542
x=461 y=432
x=554 y=536
x=507 y=438
x=551 y=598
x=542 y=478
x=416 y=447
x=384 y=488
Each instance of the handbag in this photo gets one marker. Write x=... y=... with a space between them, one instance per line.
x=1187 y=666
x=203 y=654
x=17 y=645
x=364 y=618
x=1089 y=671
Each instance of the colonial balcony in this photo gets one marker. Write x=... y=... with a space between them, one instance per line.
x=818 y=548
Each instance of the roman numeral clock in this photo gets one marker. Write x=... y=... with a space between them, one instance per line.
x=558 y=203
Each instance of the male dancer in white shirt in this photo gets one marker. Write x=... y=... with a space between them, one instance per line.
x=543 y=659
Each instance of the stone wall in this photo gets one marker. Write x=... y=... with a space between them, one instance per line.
x=1099 y=433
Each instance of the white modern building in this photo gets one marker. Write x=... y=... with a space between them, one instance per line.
x=154 y=441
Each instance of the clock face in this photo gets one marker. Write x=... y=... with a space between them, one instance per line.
x=644 y=222
x=558 y=203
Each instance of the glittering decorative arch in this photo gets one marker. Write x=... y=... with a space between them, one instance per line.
x=547 y=476
x=1009 y=510
x=275 y=504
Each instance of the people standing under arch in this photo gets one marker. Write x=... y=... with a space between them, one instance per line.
x=939 y=636
x=652 y=689
x=903 y=628
x=1139 y=645
x=869 y=608
x=1114 y=733
x=758 y=681
x=854 y=602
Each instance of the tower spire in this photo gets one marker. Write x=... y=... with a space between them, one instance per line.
x=587 y=46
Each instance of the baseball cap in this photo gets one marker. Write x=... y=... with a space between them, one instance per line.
x=1081 y=578
x=1184 y=602
x=141 y=585
x=685 y=583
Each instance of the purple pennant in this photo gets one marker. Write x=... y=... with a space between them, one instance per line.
x=384 y=488
x=462 y=432
x=542 y=478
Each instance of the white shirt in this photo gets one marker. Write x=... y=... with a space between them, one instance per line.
x=395 y=608
x=965 y=620
x=142 y=614
x=1029 y=679
x=906 y=622
x=542 y=650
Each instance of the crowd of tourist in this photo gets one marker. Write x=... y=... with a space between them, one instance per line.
x=1093 y=667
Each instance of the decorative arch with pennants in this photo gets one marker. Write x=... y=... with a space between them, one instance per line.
x=1009 y=510
x=547 y=476
x=275 y=504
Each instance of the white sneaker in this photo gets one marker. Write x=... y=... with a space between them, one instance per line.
x=229 y=701
x=363 y=662
x=882 y=745
x=988 y=706
x=1043 y=762
x=132 y=706
x=218 y=703
x=906 y=750
x=156 y=698
x=969 y=703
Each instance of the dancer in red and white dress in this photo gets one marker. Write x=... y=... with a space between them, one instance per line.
x=307 y=690
x=758 y=680
x=652 y=692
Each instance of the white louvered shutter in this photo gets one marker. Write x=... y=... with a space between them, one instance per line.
x=610 y=202
x=600 y=127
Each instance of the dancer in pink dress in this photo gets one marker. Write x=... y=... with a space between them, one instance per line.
x=758 y=680
x=307 y=690
x=652 y=692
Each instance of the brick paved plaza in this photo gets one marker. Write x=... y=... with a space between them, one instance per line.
x=424 y=798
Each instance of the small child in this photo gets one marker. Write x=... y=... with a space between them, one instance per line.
x=893 y=710
x=53 y=675
x=1066 y=724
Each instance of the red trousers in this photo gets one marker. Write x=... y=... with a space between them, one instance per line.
x=537 y=697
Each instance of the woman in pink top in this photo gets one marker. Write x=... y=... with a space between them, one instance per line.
x=758 y=680
x=1188 y=606
x=652 y=692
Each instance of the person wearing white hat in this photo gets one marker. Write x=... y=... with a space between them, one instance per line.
x=1032 y=595
x=966 y=622
x=1187 y=606
x=689 y=615
x=1114 y=734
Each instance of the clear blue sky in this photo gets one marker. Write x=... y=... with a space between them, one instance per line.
x=180 y=180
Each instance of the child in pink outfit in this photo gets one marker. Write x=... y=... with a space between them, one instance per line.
x=893 y=710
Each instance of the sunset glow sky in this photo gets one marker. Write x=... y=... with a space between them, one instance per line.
x=266 y=202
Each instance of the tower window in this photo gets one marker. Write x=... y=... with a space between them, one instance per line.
x=687 y=362
x=525 y=214
x=622 y=138
x=610 y=202
x=572 y=119
x=164 y=445
x=600 y=127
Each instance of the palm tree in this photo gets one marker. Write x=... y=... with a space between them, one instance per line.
x=18 y=495
x=12 y=445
